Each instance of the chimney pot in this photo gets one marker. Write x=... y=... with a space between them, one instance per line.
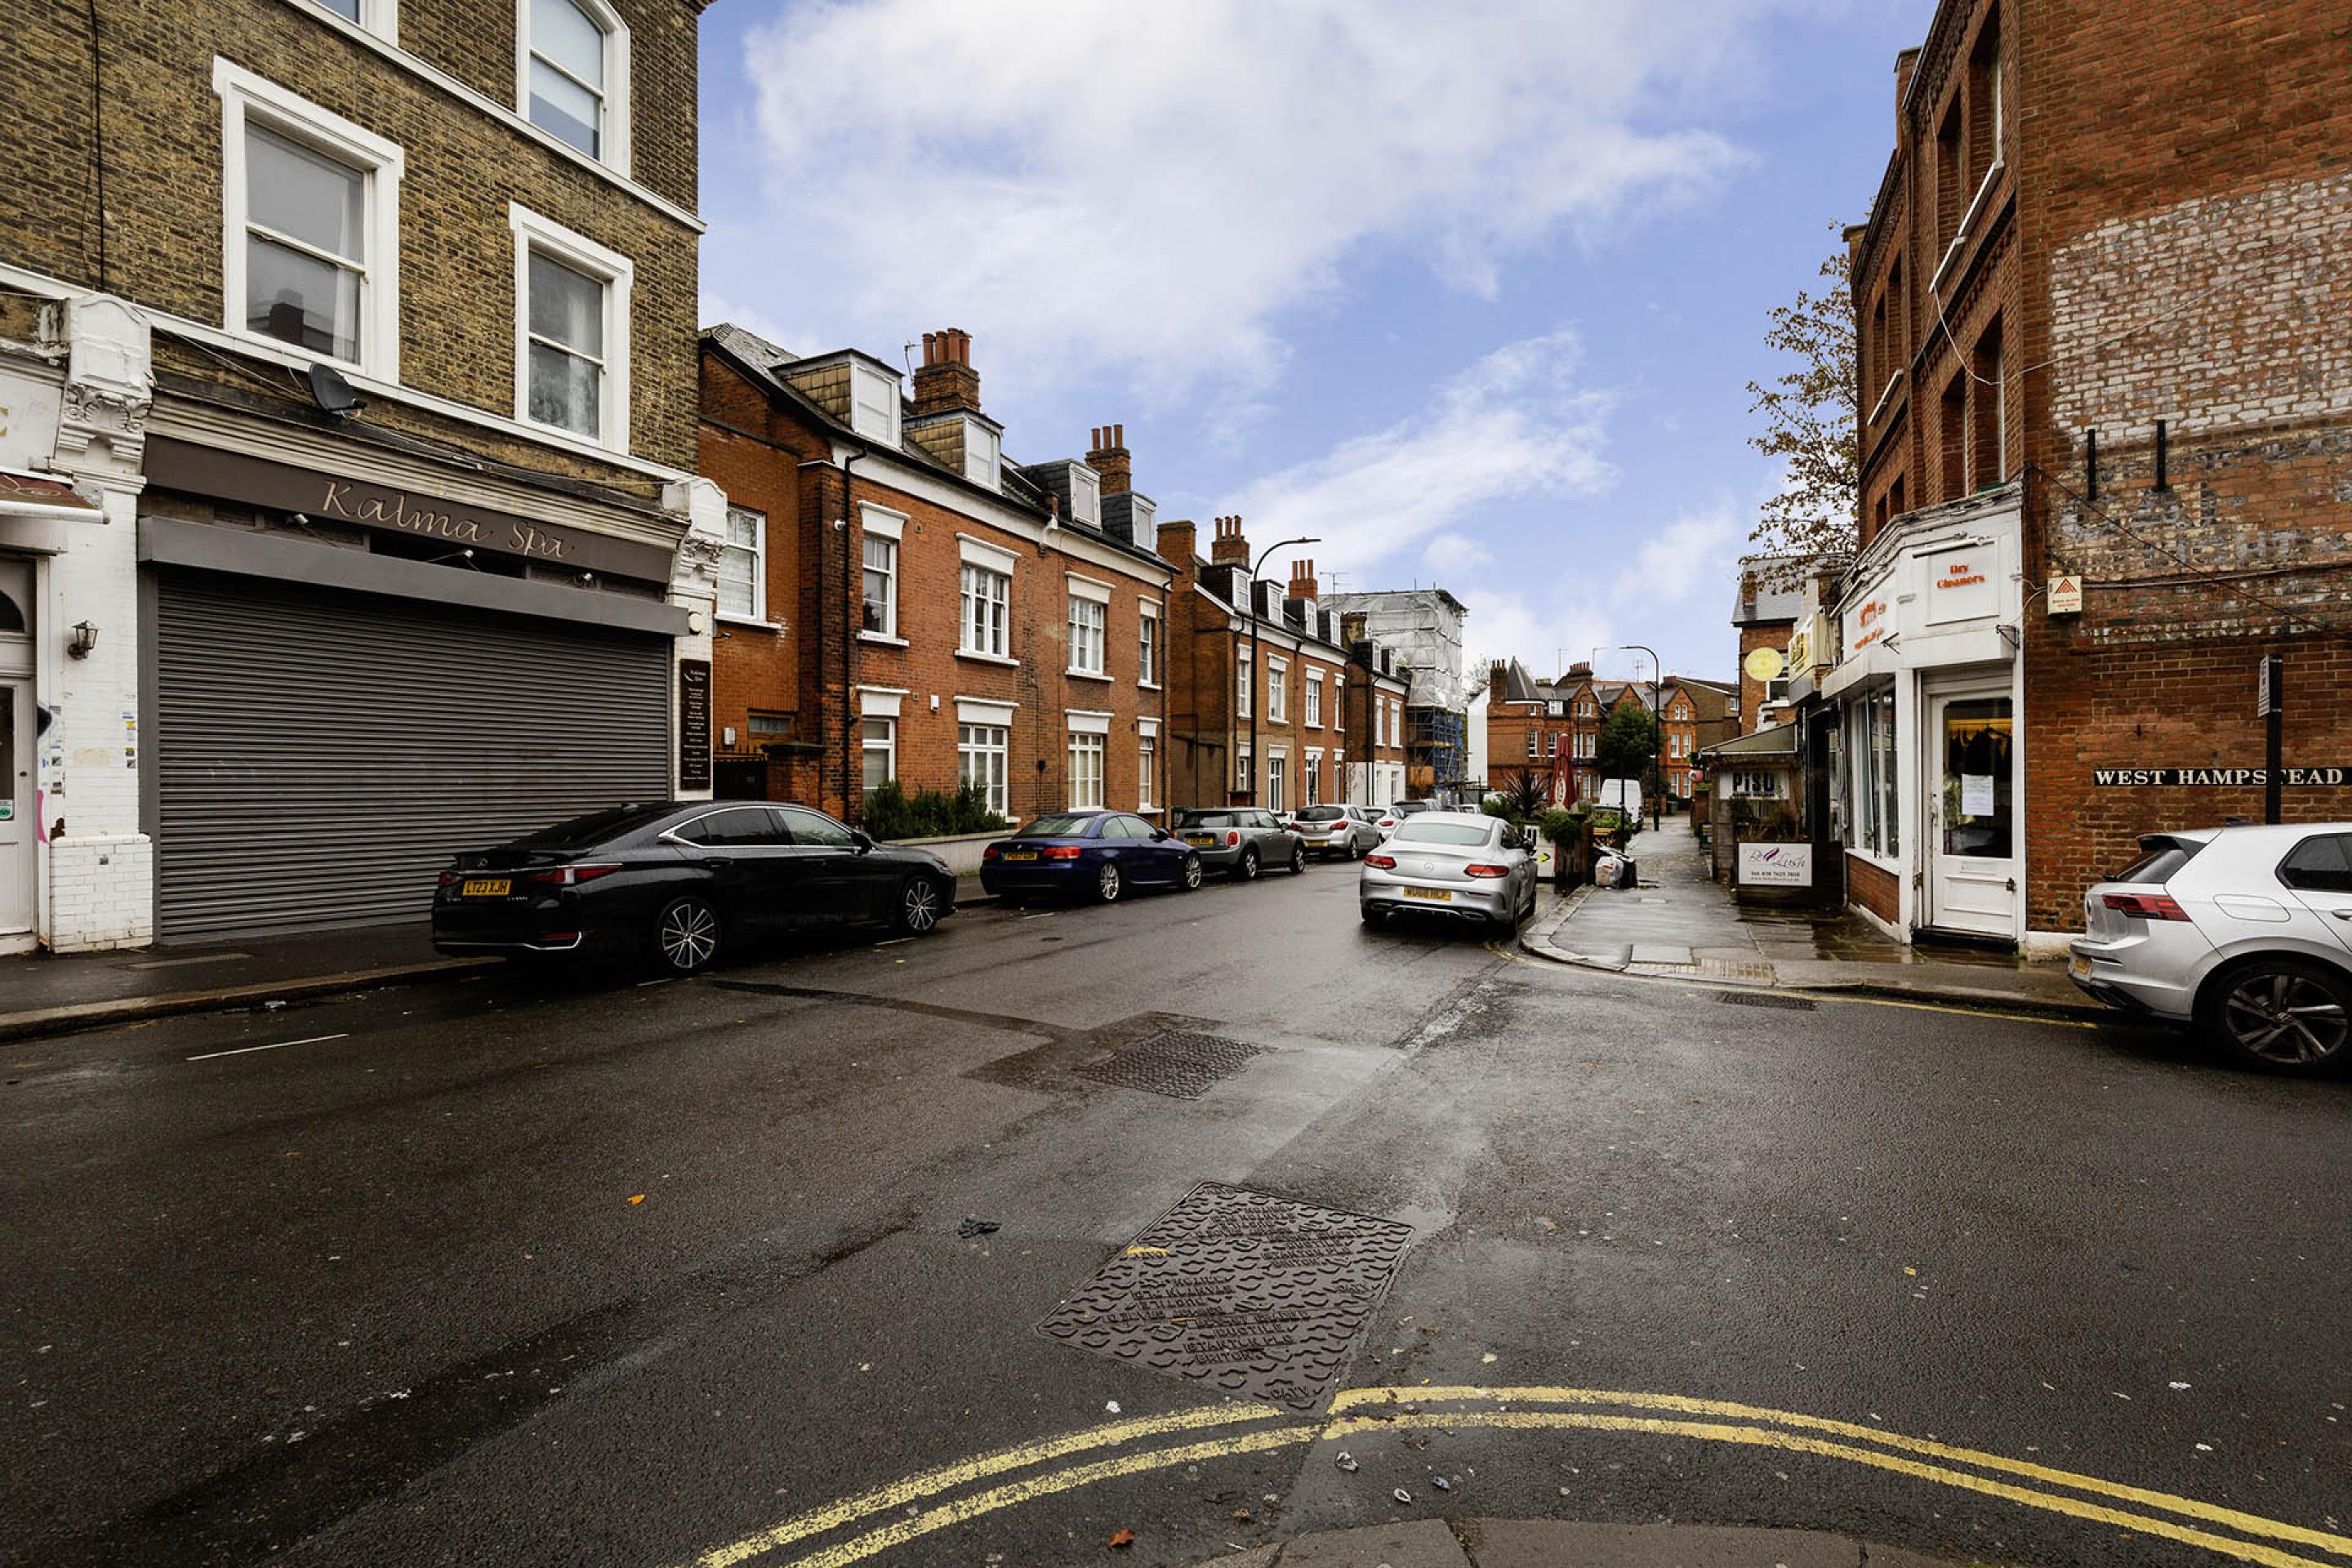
x=947 y=383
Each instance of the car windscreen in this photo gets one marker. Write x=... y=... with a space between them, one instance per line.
x=1318 y=814
x=1058 y=827
x=2162 y=861
x=596 y=827
x=1465 y=834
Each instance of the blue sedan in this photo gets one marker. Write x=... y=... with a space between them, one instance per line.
x=1091 y=854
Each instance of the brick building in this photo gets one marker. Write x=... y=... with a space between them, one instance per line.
x=1772 y=601
x=901 y=600
x=2101 y=302
x=348 y=514
x=1696 y=713
x=1553 y=727
x=1299 y=708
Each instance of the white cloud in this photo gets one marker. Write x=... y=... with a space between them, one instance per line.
x=1149 y=186
x=716 y=309
x=1683 y=556
x=1515 y=424
x=1453 y=555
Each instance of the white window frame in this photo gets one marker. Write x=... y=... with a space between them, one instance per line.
x=883 y=383
x=989 y=474
x=866 y=747
x=1147 y=762
x=1313 y=777
x=1089 y=742
x=992 y=560
x=881 y=522
x=248 y=98
x=759 y=612
x=981 y=737
x=1277 y=780
x=613 y=136
x=1090 y=631
x=1314 y=716
x=1085 y=496
x=1248 y=678
x=381 y=17
x=1244 y=775
x=618 y=274
x=1146 y=645
x=1277 y=690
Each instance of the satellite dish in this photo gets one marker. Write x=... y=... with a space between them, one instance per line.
x=1765 y=664
x=330 y=391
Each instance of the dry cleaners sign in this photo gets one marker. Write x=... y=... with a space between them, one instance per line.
x=2214 y=778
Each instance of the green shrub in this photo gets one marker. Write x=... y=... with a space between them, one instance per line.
x=891 y=813
x=1561 y=827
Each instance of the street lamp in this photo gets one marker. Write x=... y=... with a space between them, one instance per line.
x=1257 y=699
x=1658 y=717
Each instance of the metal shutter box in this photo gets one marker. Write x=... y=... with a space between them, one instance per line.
x=322 y=755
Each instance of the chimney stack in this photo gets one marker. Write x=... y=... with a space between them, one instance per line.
x=1302 y=580
x=1906 y=62
x=1228 y=548
x=1498 y=682
x=1177 y=547
x=1109 y=457
x=947 y=383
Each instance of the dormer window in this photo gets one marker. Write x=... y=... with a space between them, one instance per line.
x=1086 y=497
x=573 y=57
x=1142 y=520
x=981 y=454
x=874 y=402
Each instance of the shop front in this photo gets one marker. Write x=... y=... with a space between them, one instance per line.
x=359 y=661
x=1928 y=774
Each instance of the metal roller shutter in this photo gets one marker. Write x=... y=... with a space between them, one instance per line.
x=321 y=754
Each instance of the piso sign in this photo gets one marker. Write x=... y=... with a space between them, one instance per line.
x=2217 y=777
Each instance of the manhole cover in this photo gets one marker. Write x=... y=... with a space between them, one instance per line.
x=1766 y=999
x=1257 y=1297
x=1179 y=1065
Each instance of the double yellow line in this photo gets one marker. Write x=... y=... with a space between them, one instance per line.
x=1362 y=1410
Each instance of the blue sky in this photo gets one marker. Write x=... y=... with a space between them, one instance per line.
x=1470 y=292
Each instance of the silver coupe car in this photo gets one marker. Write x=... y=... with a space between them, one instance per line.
x=1464 y=864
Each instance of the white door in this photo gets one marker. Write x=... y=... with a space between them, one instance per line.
x=1972 y=827
x=15 y=806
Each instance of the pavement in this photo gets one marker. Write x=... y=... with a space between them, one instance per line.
x=536 y=1269
x=1680 y=924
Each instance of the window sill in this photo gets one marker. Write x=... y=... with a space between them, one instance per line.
x=1147 y=686
x=1088 y=675
x=749 y=622
x=979 y=658
x=884 y=638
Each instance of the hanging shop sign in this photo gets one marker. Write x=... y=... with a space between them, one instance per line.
x=2215 y=778
x=326 y=498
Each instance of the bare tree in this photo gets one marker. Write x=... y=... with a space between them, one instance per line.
x=1812 y=415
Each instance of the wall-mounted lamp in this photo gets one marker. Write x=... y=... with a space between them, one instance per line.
x=85 y=637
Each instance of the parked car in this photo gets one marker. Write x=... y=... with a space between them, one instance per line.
x=2244 y=931
x=1097 y=855
x=1462 y=863
x=1241 y=841
x=680 y=883
x=1346 y=831
x=1397 y=812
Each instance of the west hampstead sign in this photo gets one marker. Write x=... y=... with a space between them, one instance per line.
x=2214 y=778
x=327 y=498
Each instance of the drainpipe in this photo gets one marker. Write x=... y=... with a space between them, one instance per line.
x=849 y=792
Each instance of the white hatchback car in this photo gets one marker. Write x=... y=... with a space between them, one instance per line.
x=2245 y=931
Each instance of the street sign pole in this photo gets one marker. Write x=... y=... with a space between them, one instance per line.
x=2271 y=704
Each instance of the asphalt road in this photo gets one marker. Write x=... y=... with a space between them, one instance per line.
x=387 y=1295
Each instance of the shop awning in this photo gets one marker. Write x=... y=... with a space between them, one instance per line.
x=36 y=510
x=1780 y=740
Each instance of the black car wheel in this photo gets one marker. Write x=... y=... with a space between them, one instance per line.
x=1245 y=869
x=2282 y=1014
x=1355 y=850
x=918 y=907
x=1192 y=874
x=1297 y=858
x=1107 y=884
x=686 y=936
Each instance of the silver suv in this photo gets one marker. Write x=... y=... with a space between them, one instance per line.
x=1241 y=841
x=2245 y=931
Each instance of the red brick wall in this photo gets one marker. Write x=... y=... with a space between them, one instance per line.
x=1772 y=635
x=1873 y=889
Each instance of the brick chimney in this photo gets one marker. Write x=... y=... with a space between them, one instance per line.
x=1177 y=541
x=1498 y=680
x=1228 y=548
x=1581 y=670
x=1302 y=580
x=1906 y=62
x=947 y=383
x=1109 y=457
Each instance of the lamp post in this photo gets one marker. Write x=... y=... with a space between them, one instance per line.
x=1657 y=716
x=1256 y=700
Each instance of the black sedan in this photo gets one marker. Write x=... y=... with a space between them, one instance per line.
x=1087 y=854
x=676 y=883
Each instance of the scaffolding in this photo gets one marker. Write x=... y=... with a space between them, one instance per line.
x=1437 y=747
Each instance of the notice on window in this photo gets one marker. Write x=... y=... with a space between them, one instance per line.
x=1976 y=794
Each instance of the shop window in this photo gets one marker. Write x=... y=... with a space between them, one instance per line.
x=573 y=58
x=742 y=565
x=313 y=215
x=1875 y=792
x=572 y=330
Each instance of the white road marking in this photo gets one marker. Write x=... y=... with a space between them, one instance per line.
x=184 y=962
x=281 y=1044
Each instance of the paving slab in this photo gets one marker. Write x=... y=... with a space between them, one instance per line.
x=1545 y=1543
x=1414 y=1543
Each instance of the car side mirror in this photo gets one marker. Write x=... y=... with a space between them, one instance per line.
x=1160 y=836
x=860 y=837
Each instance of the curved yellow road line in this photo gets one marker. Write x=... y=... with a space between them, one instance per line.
x=2252 y=1524
x=925 y=1483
